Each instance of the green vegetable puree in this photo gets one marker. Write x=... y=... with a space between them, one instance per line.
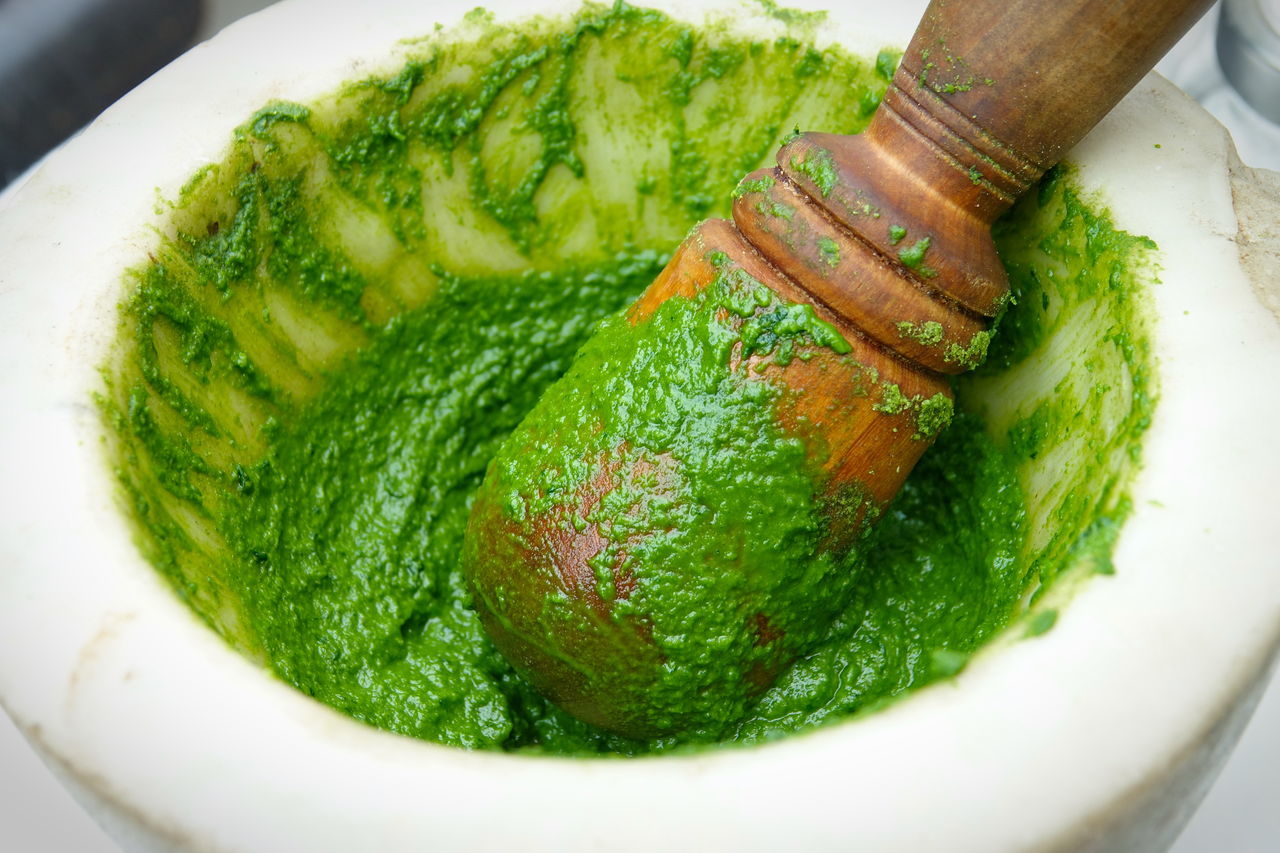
x=341 y=320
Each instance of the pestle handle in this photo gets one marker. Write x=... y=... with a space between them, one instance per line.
x=1037 y=75
x=988 y=96
x=1021 y=83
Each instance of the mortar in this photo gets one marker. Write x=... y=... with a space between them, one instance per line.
x=1080 y=735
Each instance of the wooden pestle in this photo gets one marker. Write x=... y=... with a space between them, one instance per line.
x=887 y=235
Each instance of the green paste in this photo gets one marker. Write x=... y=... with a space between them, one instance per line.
x=343 y=318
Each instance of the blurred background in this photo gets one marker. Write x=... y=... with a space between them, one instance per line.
x=62 y=62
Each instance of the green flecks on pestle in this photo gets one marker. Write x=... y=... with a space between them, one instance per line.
x=830 y=251
x=971 y=355
x=819 y=167
x=928 y=333
x=912 y=257
x=756 y=185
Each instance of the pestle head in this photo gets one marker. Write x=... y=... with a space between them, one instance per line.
x=646 y=545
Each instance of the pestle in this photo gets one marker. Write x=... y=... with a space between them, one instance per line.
x=679 y=517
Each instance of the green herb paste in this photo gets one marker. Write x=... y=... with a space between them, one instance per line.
x=342 y=319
